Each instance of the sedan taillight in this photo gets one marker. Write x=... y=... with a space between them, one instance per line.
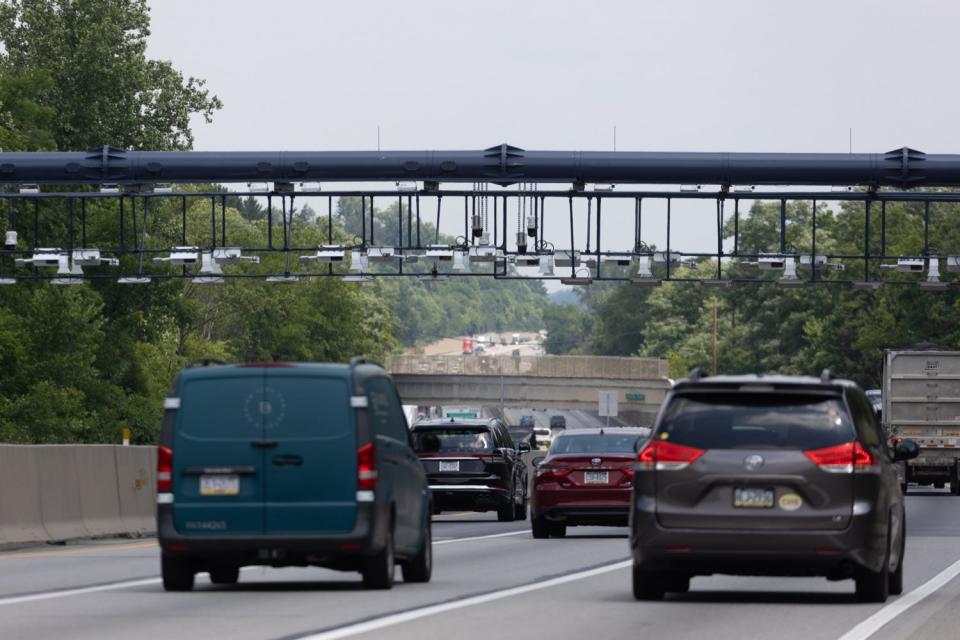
x=552 y=473
x=667 y=456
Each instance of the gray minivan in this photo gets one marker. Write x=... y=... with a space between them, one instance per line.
x=283 y=464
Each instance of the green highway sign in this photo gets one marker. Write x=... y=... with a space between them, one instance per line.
x=636 y=397
x=462 y=414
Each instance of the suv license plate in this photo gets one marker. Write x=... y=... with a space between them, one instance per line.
x=596 y=477
x=450 y=466
x=219 y=485
x=749 y=498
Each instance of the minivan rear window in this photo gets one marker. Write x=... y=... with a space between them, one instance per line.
x=594 y=443
x=756 y=421
x=452 y=441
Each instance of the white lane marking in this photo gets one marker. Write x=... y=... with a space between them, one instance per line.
x=431 y=610
x=76 y=592
x=48 y=595
x=492 y=535
x=878 y=620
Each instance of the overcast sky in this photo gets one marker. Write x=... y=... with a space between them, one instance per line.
x=738 y=75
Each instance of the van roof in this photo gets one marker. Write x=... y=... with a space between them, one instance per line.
x=325 y=369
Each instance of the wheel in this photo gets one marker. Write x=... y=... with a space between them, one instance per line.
x=505 y=512
x=678 y=583
x=520 y=510
x=939 y=485
x=903 y=488
x=420 y=567
x=378 y=569
x=955 y=481
x=558 y=529
x=647 y=585
x=874 y=586
x=896 y=578
x=177 y=573
x=224 y=575
x=540 y=528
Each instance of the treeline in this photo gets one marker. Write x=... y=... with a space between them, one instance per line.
x=765 y=328
x=81 y=363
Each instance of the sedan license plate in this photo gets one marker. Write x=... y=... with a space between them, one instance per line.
x=596 y=477
x=219 y=485
x=450 y=466
x=749 y=498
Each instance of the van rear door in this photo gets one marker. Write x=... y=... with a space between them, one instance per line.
x=311 y=474
x=217 y=463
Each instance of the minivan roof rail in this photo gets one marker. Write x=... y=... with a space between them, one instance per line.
x=696 y=373
x=358 y=360
x=204 y=362
x=826 y=375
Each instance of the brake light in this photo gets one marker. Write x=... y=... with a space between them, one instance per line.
x=164 y=470
x=552 y=473
x=627 y=476
x=843 y=458
x=667 y=456
x=366 y=468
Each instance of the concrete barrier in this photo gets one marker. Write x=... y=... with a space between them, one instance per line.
x=52 y=493
x=20 y=517
x=137 y=488
x=99 y=498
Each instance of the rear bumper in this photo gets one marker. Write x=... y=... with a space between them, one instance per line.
x=586 y=514
x=342 y=550
x=478 y=497
x=832 y=553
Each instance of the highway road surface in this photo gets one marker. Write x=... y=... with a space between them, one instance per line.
x=491 y=580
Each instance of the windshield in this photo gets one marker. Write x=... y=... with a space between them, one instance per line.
x=756 y=421
x=452 y=440
x=595 y=443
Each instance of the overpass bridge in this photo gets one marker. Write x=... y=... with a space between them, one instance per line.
x=532 y=382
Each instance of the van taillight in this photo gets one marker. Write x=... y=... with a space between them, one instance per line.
x=164 y=470
x=667 y=456
x=843 y=458
x=366 y=468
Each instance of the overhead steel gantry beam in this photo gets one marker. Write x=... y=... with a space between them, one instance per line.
x=503 y=164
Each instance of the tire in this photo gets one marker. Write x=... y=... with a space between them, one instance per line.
x=903 y=488
x=678 y=583
x=540 y=528
x=224 y=575
x=874 y=586
x=520 y=510
x=647 y=585
x=505 y=513
x=177 y=573
x=420 y=567
x=378 y=570
x=558 y=530
x=954 y=481
x=939 y=485
x=896 y=578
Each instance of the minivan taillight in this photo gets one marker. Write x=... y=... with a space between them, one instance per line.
x=667 y=456
x=843 y=458
x=366 y=467
x=164 y=470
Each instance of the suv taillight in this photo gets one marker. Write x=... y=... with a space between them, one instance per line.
x=366 y=467
x=843 y=458
x=164 y=470
x=667 y=456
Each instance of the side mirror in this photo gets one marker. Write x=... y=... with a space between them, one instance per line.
x=523 y=447
x=906 y=450
x=536 y=462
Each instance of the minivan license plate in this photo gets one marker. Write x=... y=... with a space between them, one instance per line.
x=750 y=498
x=450 y=466
x=596 y=477
x=219 y=485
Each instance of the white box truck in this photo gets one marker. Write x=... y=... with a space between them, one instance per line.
x=921 y=401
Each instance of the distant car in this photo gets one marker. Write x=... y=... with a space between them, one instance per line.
x=558 y=422
x=479 y=349
x=473 y=465
x=544 y=436
x=768 y=475
x=528 y=421
x=875 y=396
x=585 y=479
x=289 y=465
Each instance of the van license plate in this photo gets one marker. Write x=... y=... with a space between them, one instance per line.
x=596 y=477
x=749 y=498
x=219 y=485
x=450 y=466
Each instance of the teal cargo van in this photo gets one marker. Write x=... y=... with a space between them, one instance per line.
x=283 y=464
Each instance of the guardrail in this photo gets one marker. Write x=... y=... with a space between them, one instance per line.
x=52 y=493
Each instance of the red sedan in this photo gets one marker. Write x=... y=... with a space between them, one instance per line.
x=585 y=479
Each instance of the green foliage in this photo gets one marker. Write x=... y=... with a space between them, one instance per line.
x=568 y=329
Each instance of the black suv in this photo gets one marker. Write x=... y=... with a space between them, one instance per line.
x=768 y=475
x=473 y=465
